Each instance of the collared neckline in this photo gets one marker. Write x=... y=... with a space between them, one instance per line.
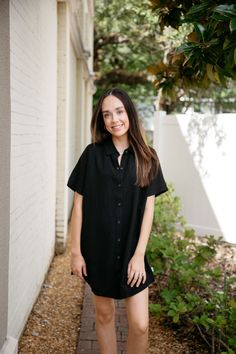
x=111 y=149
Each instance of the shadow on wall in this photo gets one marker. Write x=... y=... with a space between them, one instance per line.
x=198 y=130
x=195 y=153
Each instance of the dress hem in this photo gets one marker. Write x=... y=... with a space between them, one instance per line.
x=121 y=297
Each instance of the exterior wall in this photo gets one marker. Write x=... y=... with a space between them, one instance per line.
x=72 y=147
x=42 y=83
x=75 y=90
x=196 y=153
x=63 y=58
x=33 y=152
x=5 y=138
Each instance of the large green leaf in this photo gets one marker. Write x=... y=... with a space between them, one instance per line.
x=200 y=30
x=196 y=9
x=232 y=24
x=226 y=10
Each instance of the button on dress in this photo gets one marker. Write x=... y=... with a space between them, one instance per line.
x=113 y=208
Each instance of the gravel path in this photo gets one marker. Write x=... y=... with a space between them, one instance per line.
x=54 y=323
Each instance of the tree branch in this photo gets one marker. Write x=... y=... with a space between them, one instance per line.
x=110 y=38
x=122 y=77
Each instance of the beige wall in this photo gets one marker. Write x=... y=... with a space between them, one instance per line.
x=196 y=153
x=5 y=138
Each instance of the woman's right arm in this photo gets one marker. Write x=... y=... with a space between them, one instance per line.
x=78 y=265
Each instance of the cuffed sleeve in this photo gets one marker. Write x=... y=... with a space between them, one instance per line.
x=157 y=185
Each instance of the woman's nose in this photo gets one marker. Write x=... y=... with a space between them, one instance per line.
x=115 y=117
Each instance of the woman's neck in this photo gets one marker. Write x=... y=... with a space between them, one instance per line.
x=121 y=143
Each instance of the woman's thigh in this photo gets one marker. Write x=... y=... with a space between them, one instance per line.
x=137 y=310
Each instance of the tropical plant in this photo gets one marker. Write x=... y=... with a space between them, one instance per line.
x=208 y=53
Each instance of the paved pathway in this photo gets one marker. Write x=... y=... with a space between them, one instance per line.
x=87 y=337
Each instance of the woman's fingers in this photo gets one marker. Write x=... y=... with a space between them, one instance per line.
x=144 y=277
x=130 y=276
x=79 y=269
x=128 y=270
x=136 y=278
x=84 y=269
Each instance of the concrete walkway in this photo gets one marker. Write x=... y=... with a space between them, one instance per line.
x=87 y=337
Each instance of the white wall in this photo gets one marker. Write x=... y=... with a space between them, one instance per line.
x=75 y=89
x=74 y=133
x=197 y=154
x=5 y=139
x=33 y=43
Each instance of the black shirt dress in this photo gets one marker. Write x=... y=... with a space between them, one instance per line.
x=113 y=208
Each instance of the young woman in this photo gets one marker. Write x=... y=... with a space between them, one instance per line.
x=115 y=182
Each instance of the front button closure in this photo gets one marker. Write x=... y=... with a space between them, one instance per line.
x=118 y=240
x=118 y=221
x=118 y=257
x=119 y=204
x=119 y=185
x=121 y=168
x=117 y=168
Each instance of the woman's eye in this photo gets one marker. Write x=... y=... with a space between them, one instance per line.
x=120 y=112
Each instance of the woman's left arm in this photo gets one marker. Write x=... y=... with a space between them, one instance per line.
x=136 y=266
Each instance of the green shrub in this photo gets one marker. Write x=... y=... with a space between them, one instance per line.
x=192 y=288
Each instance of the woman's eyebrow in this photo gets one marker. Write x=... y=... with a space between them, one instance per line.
x=115 y=109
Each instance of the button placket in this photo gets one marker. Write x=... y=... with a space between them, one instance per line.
x=118 y=209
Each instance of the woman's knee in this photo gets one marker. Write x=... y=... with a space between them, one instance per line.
x=139 y=327
x=105 y=311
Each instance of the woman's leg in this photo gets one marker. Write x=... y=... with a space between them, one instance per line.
x=105 y=324
x=138 y=318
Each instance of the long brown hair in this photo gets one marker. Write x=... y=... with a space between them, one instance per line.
x=146 y=159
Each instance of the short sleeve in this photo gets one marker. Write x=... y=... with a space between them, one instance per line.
x=76 y=181
x=157 y=185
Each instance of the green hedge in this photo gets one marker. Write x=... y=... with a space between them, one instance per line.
x=192 y=287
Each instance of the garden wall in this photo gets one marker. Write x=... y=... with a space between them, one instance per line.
x=197 y=153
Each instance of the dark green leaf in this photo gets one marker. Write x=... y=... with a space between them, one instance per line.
x=200 y=30
x=226 y=10
x=219 y=17
x=232 y=24
x=197 y=9
x=233 y=314
x=232 y=341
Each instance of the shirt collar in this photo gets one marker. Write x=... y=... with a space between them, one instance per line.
x=111 y=149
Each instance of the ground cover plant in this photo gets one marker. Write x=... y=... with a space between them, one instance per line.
x=195 y=283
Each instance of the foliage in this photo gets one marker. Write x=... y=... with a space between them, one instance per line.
x=125 y=42
x=214 y=100
x=191 y=288
x=207 y=54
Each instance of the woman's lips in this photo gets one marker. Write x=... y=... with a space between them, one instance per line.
x=117 y=127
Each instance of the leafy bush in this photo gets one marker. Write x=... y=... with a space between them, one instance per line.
x=191 y=287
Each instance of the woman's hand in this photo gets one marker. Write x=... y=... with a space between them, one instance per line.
x=136 y=270
x=78 y=265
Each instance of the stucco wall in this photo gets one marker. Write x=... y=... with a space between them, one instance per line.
x=33 y=41
x=197 y=153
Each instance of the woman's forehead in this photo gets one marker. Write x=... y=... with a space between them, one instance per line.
x=111 y=102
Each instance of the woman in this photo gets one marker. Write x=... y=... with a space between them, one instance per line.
x=115 y=182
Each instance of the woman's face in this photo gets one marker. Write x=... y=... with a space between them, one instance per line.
x=115 y=116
